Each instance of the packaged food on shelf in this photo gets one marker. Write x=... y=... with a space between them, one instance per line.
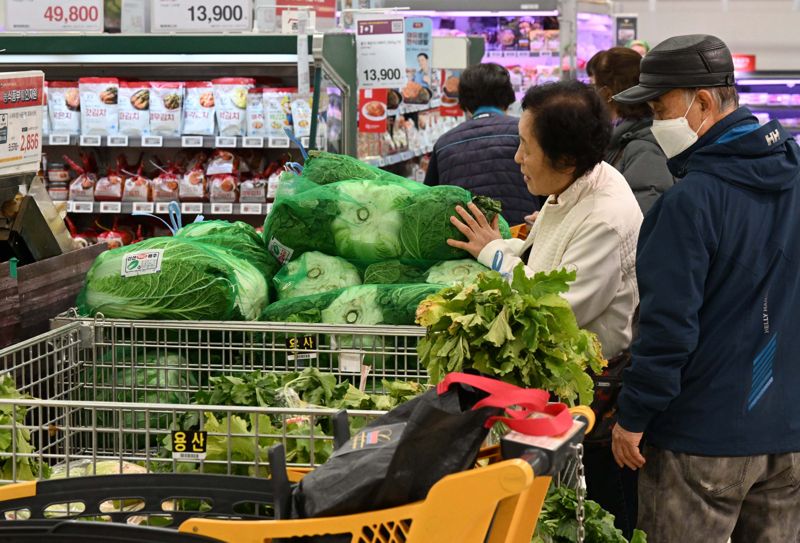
x=230 y=99
x=64 y=106
x=109 y=187
x=256 y=123
x=99 y=105
x=222 y=162
x=193 y=182
x=222 y=188
x=134 y=108
x=45 y=114
x=116 y=236
x=198 y=110
x=137 y=187
x=166 y=106
x=57 y=181
x=82 y=187
x=166 y=185
x=301 y=116
x=277 y=109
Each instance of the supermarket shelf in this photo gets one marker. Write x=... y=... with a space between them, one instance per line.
x=521 y=54
x=398 y=157
x=161 y=208
x=184 y=142
x=405 y=109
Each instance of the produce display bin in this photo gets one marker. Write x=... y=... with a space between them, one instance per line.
x=86 y=374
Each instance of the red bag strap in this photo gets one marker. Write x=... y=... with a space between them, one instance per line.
x=505 y=395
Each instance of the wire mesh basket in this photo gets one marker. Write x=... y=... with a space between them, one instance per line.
x=110 y=392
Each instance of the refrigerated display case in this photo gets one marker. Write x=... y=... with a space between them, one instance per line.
x=772 y=95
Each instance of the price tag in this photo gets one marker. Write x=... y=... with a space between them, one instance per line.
x=253 y=143
x=54 y=15
x=251 y=209
x=322 y=142
x=152 y=141
x=69 y=206
x=201 y=16
x=350 y=361
x=110 y=207
x=226 y=141
x=117 y=141
x=406 y=155
x=192 y=141
x=58 y=139
x=162 y=208
x=83 y=207
x=268 y=209
x=222 y=209
x=381 y=162
x=304 y=141
x=91 y=141
x=279 y=143
x=380 y=51
x=143 y=207
x=192 y=208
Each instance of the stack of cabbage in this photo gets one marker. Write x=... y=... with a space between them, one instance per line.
x=213 y=270
x=352 y=244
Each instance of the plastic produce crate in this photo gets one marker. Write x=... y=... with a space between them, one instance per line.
x=93 y=403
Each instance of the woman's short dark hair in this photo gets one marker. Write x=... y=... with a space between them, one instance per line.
x=570 y=123
x=617 y=69
x=487 y=85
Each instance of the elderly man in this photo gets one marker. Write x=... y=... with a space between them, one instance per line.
x=715 y=373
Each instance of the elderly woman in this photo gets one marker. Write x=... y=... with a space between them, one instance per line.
x=589 y=223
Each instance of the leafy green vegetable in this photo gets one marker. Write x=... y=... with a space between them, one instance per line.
x=522 y=332
x=314 y=273
x=558 y=523
x=426 y=225
x=193 y=283
x=452 y=272
x=323 y=168
x=393 y=272
x=363 y=304
x=252 y=290
x=14 y=442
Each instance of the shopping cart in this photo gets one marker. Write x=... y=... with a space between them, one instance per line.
x=496 y=503
x=85 y=376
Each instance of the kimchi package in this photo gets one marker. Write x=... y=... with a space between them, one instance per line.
x=166 y=103
x=134 y=108
x=98 y=104
x=230 y=100
x=198 y=110
x=64 y=106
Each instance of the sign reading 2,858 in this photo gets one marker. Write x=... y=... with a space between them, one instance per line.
x=201 y=15
x=380 y=51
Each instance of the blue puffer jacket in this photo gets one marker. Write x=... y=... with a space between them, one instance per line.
x=715 y=370
x=478 y=155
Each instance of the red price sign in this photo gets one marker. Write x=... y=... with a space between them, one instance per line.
x=54 y=16
x=29 y=142
x=21 y=100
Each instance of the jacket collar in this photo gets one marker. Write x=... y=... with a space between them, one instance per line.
x=678 y=164
x=576 y=191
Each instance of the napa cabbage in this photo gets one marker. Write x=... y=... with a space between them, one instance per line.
x=314 y=273
x=451 y=272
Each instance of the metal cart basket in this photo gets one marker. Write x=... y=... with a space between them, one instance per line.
x=113 y=390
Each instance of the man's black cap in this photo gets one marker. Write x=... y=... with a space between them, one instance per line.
x=681 y=62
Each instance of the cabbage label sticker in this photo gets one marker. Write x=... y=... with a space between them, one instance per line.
x=142 y=263
x=281 y=252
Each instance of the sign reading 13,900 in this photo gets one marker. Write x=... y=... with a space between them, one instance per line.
x=380 y=50
x=54 y=15
x=202 y=16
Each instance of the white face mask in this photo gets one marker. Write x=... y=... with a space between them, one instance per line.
x=675 y=135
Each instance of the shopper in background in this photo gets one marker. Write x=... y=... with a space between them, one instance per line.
x=714 y=378
x=634 y=150
x=479 y=153
x=640 y=46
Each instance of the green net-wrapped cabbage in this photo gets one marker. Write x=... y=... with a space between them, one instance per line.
x=426 y=225
x=323 y=168
x=190 y=282
x=451 y=272
x=363 y=305
x=393 y=272
x=369 y=221
x=314 y=273
x=252 y=288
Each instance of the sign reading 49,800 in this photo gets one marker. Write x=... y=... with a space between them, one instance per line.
x=202 y=16
x=54 y=15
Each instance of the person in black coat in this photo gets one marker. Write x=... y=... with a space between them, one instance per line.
x=633 y=149
x=478 y=155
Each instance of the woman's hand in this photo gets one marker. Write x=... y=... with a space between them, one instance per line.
x=476 y=229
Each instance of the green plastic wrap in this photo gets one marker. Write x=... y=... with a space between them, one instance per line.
x=451 y=272
x=368 y=221
x=314 y=273
x=393 y=272
x=323 y=168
